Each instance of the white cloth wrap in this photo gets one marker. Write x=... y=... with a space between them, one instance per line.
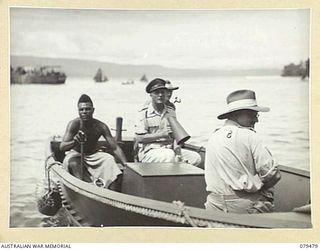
x=100 y=165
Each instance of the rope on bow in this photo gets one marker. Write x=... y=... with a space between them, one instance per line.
x=48 y=168
x=183 y=211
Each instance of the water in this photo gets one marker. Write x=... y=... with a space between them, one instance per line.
x=40 y=111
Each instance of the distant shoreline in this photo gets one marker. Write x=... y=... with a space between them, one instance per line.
x=88 y=68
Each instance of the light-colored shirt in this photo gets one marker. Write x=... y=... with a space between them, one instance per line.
x=237 y=159
x=150 y=121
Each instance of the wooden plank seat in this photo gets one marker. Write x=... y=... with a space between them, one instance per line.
x=165 y=182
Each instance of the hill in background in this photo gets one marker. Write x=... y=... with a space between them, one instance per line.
x=87 y=68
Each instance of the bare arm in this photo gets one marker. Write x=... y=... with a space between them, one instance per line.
x=114 y=146
x=68 y=140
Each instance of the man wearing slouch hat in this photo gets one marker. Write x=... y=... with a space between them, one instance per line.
x=154 y=140
x=240 y=171
x=99 y=167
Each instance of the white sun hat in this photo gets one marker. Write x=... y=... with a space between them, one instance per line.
x=242 y=99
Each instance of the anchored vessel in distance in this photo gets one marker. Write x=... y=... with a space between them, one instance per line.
x=100 y=77
x=41 y=75
x=144 y=78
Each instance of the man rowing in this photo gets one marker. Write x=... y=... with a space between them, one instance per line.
x=81 y=140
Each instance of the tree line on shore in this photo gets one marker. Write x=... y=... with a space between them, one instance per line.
x=300 y=70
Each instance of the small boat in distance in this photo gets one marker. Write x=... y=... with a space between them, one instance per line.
x=100 y=77
x=128 y=82
x=144 y=78
x=42 y=75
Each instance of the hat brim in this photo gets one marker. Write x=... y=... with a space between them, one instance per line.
x=159 y=87
x=173 y=88
x=254 y=108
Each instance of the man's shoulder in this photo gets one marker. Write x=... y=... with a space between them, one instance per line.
x=171 y=110
x=249 y=135
x=75 y=121
x=99 y=123
x=249 y=131
x=143 y=112
x=239 y=130
x=170 y=105
x=143 y=109
x=245 y=131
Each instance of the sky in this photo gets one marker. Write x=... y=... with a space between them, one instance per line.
x=198 y=39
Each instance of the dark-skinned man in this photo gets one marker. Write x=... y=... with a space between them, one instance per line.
x=99 y=167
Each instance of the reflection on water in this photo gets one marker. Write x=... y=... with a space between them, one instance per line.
x=40 y=111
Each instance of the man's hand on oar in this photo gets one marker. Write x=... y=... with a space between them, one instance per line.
x=80 y=137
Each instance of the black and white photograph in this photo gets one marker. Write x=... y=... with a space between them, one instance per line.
x=171 y=118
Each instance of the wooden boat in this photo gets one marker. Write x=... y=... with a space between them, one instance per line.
x=170 y=195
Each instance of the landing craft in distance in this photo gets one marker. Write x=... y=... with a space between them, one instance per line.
x=37 y=75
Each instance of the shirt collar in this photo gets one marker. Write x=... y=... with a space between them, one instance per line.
x=233 y=123
x=152 y=111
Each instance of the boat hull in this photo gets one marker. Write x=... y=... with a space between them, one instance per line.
x=91 y=212
x=89 y=205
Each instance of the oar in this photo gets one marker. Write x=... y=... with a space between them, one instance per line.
x=81 y=152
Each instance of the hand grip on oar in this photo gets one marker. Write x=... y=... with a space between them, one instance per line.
x=80 y=137
x=81 y=159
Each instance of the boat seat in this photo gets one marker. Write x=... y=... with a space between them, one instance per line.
x=165 y=182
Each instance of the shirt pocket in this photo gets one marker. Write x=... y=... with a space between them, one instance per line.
x=153 y=122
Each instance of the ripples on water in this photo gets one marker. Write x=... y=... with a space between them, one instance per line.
x=40 y=111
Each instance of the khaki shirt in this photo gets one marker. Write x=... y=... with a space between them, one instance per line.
x=237 y=159
x=149 y=121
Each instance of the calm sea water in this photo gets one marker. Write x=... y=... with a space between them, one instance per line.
x=40 y=111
